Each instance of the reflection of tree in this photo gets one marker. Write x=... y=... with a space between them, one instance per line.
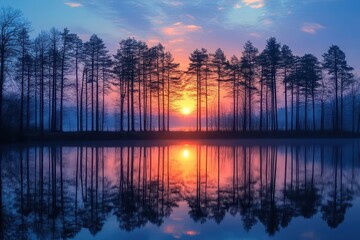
x=97 y=200
x=304 y=198
x=268 y=212
x=54 y=192
x=340 y=196
x=146 y=197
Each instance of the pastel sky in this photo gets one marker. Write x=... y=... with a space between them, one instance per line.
x=307 y=26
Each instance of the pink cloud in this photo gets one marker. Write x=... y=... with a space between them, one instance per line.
x=191 y=233
x=254 y=3
x=311 y=28
x=180 y=28
x=153 y=41
x=176 y=40
x=73 y=5
x=255 y=34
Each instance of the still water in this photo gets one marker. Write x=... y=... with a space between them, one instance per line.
x=181 y=190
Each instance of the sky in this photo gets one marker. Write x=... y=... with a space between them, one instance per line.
x=307 y=26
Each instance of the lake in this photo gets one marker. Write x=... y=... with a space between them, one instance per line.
x=215 y=189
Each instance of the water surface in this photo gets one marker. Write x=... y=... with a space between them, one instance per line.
x=181 y=190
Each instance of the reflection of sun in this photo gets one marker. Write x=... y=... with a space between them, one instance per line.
x=186 y=153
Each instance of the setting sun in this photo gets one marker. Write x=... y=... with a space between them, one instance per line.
x=186 y=111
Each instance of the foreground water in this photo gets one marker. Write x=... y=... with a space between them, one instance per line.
x=181 y=190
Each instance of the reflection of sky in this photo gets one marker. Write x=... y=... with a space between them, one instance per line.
x=181 y=168
x=180 y=226
x=306 y=26
x=231 y=229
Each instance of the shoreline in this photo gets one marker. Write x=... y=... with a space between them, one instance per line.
x=172 y=135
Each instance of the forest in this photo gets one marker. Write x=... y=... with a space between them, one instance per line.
x=58 y=82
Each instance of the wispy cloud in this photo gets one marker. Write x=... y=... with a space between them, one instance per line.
x=254 y=3
x=267 y=22
x=237 y=6
x=176 y=40
x=255 y=34
x=73 y=4
x=311 y=28
x=173 y=3
x=179 y=28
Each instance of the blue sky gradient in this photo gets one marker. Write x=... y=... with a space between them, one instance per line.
x=307 y=26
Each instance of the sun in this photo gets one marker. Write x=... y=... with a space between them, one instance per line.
x=186 y=111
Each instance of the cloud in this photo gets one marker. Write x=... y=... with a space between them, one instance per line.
x=73 y=4
x=267 y=22
x=237 y=6
x=176 y=40
x=179 y=28
x=255 y=34
x=173 y=3
x=254 y=3
x=311 y=28
x=153 y=41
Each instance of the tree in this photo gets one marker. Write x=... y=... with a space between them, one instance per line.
x=198 y=60
x=172 y=76
x=311 y=76
x=125 y=66
x=95 y=51
x=248 y=65
x=295 y=83
x=54 y=61
x=219 y=63
x=78 y=55
x=233 y=67
x=22 y=69
x=273 y=57
x=41 y=45
x=287 y=61
x=66 y=47
x=339 y=72
x=11 y=22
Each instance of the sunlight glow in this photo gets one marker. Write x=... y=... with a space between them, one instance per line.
x=186 y=153
x=186 y=111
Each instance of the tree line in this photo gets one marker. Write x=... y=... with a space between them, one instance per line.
x=57 y=80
